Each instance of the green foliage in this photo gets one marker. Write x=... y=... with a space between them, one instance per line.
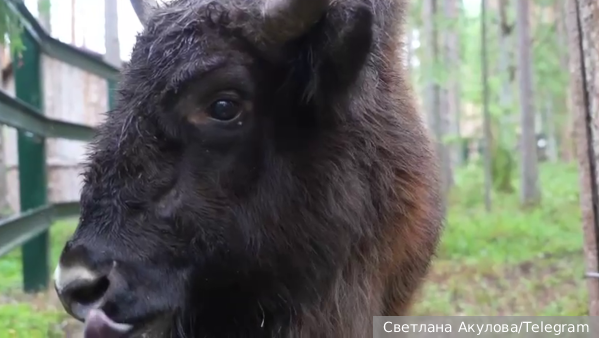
x=502 y=157
x=10 y=27
x=510 y=261
x=502 y=168
x=550 y=77
x=43 y=6
x=36 y=315
x=473 y=235
x=25 y=320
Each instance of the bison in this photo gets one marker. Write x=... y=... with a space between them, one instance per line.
x=264 y=173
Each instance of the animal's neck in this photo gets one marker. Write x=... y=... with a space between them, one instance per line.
x=345 y=312
x=214 y=326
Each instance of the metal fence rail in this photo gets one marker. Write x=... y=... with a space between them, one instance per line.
x=29 y=228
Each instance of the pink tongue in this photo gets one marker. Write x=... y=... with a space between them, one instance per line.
x=98 y=325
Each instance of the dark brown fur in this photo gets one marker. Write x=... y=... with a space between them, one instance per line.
x=321 y=211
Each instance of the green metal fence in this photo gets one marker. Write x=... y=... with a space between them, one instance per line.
x=29 y=228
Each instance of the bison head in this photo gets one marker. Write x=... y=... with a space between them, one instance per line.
x=246 y=163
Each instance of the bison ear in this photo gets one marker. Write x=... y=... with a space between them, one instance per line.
x=352 y=44
x=343 y=48
x=143 y=9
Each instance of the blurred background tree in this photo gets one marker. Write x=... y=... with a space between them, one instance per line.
x=502 y=80
x=530 y=118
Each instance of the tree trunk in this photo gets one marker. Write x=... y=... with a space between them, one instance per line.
x=435 y=94
x=530 y=194
x=505 y=57
x=550 y=131
x=502 y=162
x=566 y=136
x=452 y=48
x=583 y=33
x=486 y=115
x=431 y=88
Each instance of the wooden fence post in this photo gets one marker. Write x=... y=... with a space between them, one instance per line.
x=32 y=164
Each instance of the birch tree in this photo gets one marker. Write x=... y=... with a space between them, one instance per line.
x=434 y=93
x=529 y=173
x=452 y=56
x=486 y=114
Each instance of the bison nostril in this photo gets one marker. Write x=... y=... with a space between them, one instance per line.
x=80 y=290
x=90 y=291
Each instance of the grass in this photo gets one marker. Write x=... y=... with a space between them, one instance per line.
x=32 y=316
x=508 y=262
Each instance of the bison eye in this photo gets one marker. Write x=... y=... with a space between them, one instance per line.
x=224 y=110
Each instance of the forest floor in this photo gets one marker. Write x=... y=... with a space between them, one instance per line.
x=508 y=262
